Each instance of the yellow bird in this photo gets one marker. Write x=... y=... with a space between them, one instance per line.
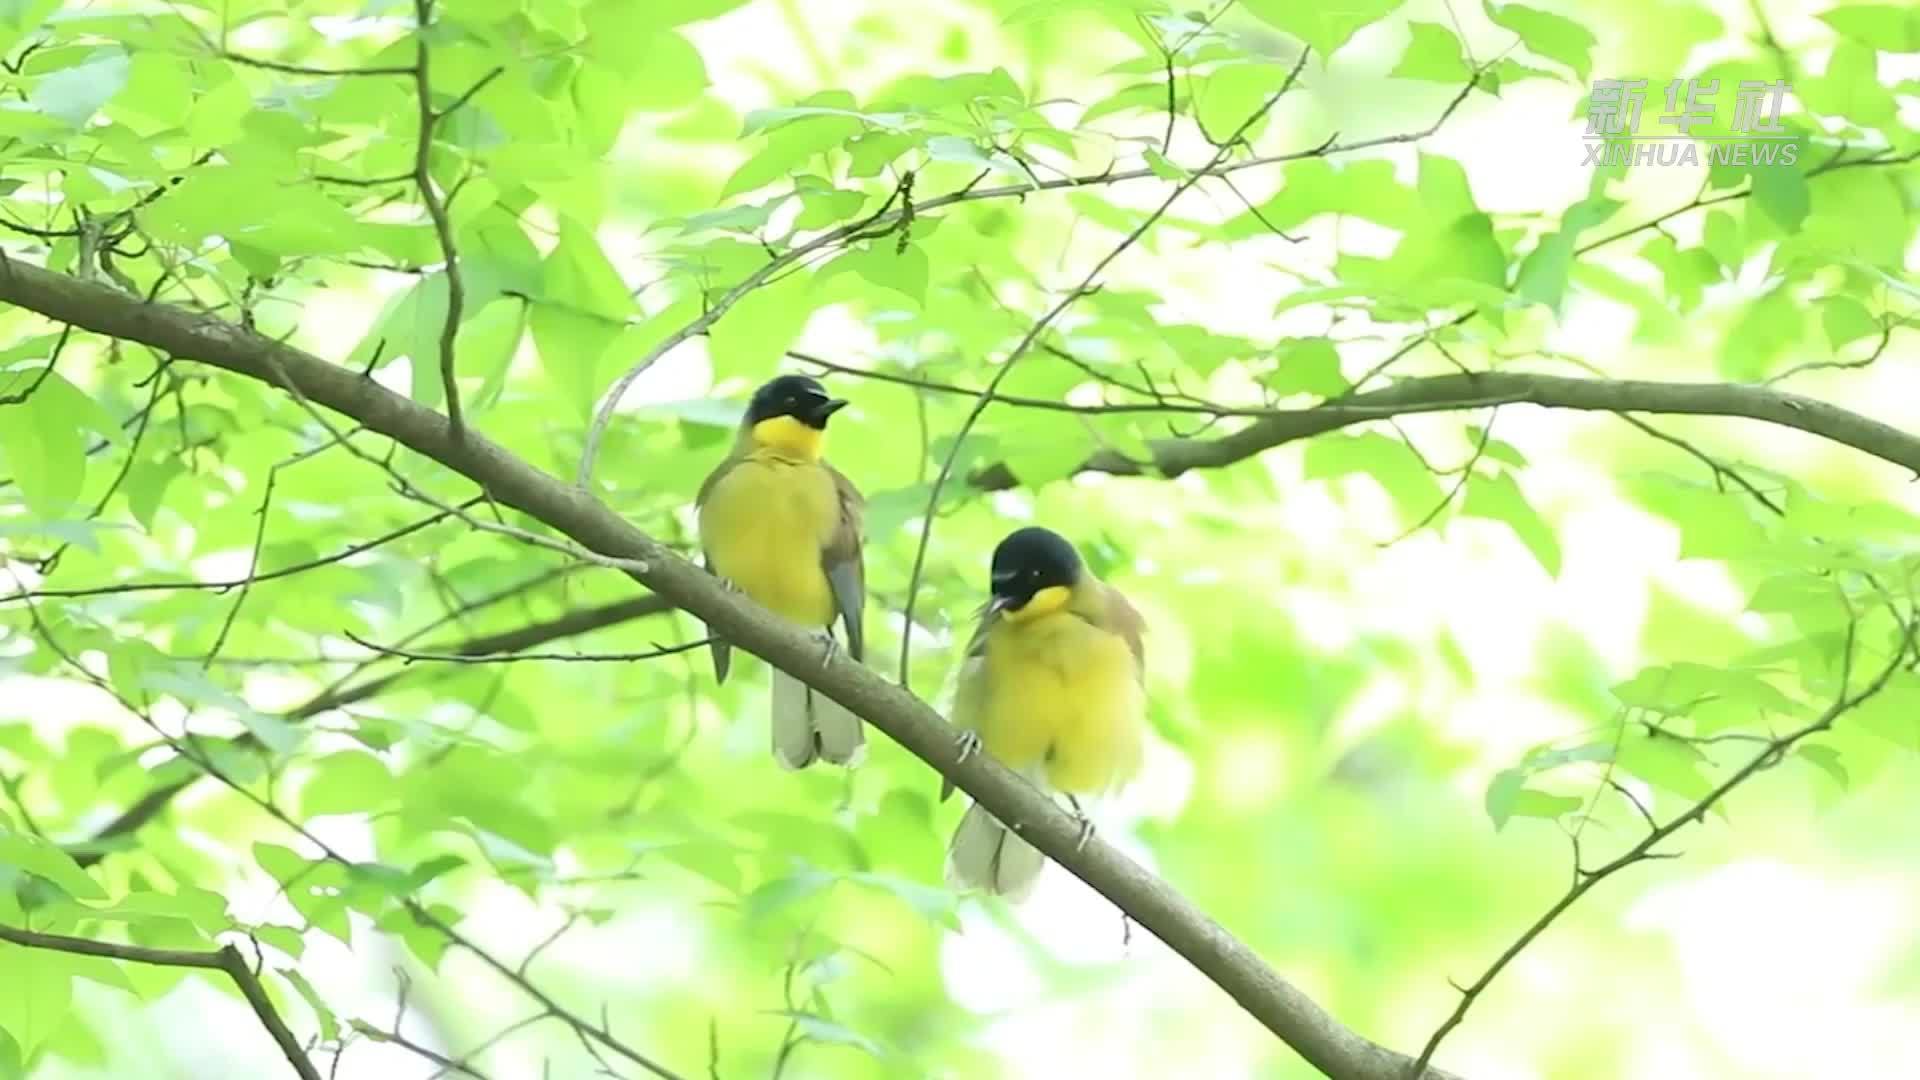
x=1053 y=686
x=781 y=525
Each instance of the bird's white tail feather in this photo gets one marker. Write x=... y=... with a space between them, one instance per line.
x=987 y=855
x=841 y=736
x=807 y=724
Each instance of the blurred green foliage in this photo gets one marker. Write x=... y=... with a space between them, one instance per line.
x=1393 y=667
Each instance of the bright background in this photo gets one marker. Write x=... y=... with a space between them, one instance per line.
x=1332 y=704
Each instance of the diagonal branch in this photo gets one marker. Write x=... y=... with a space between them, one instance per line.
x=1452 y=393
x=1280 y=1006
x=225 y=959
x=1772 y=752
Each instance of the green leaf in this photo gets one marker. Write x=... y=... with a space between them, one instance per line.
x=1433 y=55
x=1665 y=762
x=830 y=123
x=1326 y=27
x=1387 y=461
x=323 y=1015
x=573 y=347
x=1782 y=192
x=1498 y=498
x=486 y=344
x=27 y=852
x=345 y=782
x=1827 y=761
x=1045 y=447
x=578 y=274
x=751 y=339
x=75 y=93
x=1234 y=93
x=1543 y=273
x=146 y=487
x=820 y=1029
x=1878 y=26
x=43 y=446
x=1555 y=37
x=884 y=264
x=1364 y=189
x=36 y=997
x=1509 y=797
x=1307 y=366
x=777 y=895
x=938 y=906
x=1163 y=168
x=1846 y=320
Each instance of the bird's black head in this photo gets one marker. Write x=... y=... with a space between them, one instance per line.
x=1029 y=562
x=799 y=396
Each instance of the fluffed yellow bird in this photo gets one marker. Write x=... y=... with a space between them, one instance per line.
x=781 y=525
x=1054 y=687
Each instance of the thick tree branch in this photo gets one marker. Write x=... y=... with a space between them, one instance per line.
x=225 y=959
x=1450 y=393
x=1281 y=1007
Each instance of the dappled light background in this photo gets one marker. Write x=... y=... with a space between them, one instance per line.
x=1339 y=673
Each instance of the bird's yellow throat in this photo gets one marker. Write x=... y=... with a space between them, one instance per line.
x=788 y=436
x=1045 y=602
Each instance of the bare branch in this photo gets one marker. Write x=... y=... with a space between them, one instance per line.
x=1642 y=851
x=515 y=658
x=252 y=578
x=1450 y=393
x=225 y=959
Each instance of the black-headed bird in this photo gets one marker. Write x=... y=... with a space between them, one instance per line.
x=1053 y=686
x=781 y=525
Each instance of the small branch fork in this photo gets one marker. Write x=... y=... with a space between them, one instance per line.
x=225 y=959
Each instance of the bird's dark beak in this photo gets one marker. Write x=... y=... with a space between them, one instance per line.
x=821 y=410
x=1002 y=598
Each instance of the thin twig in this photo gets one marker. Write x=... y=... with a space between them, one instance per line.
x=1085 y=287
x=225 y=959
x=53 y=358
x=1644 y=850
x=887 y=218
x=229 y=584
x=411 y=656
x=436 y=207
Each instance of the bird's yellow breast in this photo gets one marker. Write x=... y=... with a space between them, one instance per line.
x=764 y=525
x=1059 y=693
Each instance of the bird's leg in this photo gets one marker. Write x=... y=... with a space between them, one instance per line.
x=1086 y=824
x=727 y=584
x=829 y=645
x=969 y=745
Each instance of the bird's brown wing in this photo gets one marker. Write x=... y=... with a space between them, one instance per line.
x=722 y=652
x=966 y=697
x=844 y=563
x=1124 y=619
